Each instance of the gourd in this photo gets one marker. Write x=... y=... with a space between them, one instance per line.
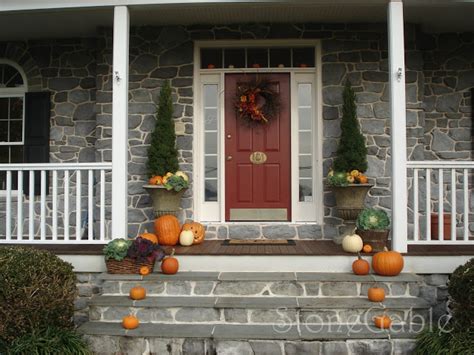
x=376 y=294
x=137 y=293
x=150 y=236
x=144 y=270
x=186 y=238
x=382 y=322
x=167 y=229
x=130 y=322
x=360 y=266
x=182 y=174
x=352 y=243
x=170 y=264
x=155 y=180
x=367 y=248
x=387 y=263
x=363 y=179
x=197 y=229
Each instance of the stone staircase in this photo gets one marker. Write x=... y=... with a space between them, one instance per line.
x=255 y=313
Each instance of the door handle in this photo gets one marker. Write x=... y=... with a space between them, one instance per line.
x=229 y=157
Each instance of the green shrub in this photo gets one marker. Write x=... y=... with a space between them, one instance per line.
x=49 y=340
x=372 y=219
x=446 y=341
x=162 y=153
x=37 y=290
x=461 y=292
x=351 y=152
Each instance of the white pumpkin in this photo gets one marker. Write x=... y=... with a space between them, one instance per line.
x=186 y=238
x=352 y=243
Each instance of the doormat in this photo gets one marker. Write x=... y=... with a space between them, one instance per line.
x=258 y=242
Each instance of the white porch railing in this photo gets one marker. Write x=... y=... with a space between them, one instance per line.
x=440 y=190
x=72 y=210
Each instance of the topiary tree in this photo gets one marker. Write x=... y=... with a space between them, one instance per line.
x=162 y=153
x=351 y=152
x=37 y=290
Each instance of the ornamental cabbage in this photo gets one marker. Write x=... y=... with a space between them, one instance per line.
x=372 y=219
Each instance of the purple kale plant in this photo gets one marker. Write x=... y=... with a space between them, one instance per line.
x=143 y=250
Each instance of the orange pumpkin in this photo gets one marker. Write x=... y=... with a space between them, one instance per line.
x=144 y=270
x=367 y=248
x=387 y=263
x=130 y=322
x=156 y=180
x=150 y=236
x=197 y=229
x=170 y=264
x=362 y=179
x=376 y=294
x=137 y=293
x=382 y=322
x=167 y=229
x=360 y=266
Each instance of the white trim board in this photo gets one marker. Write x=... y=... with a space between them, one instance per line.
x=280 y=263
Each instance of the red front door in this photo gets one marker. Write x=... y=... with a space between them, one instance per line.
x=257 y=191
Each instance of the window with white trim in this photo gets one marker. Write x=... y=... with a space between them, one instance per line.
x=12 y=113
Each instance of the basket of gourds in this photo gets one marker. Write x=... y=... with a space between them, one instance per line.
x=124 y=256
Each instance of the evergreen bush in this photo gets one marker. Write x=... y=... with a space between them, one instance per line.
x=351 y=152
x=37 y=290
x=162 y=153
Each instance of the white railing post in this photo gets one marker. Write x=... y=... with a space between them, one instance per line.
x=396 y=55
x=120 y=123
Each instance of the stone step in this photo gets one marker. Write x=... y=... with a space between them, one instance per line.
x=262 y=284
x=246 y=332
x=256 y=310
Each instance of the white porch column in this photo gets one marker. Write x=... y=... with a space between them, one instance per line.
x=396 y=55
x=120 y=123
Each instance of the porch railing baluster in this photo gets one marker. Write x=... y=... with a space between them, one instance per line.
x=31 y=197
x=8 y=216
x=55 y=205
x=416 y=232
x=19 y=213
x=102 y=205
x=466 y=205
x=428 y=204
x=78 y=205
x=453 y=204
x=66 y=205
x=440 y=206
x=43 y=205
x=90 y=219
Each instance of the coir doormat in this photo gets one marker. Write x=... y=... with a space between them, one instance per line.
x=258 y=242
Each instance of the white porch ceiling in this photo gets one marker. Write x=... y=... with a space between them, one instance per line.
x=63 y=23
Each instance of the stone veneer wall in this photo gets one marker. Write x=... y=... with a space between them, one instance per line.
x=354 y=52
x=78 y=72
x=67 y=69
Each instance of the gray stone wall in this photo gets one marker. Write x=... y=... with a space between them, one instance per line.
x=88 y=284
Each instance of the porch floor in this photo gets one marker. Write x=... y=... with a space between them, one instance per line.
x=301 y=247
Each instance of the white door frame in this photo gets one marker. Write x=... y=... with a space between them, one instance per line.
x=302 y=212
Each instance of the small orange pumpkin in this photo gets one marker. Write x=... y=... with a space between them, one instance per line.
x=367 y=248
x=150 y=236
x=376 y=294
x=167 y=229
x=155 y=180
x=130 y=322
x=137 y=293
x=360 y=266
x=362 y=179
x=387 y=263
x=197 y=229
x=382 y=322
x=170 y=264
x=144 y=270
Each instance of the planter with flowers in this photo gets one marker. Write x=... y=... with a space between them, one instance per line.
x=373 y=227
x=128 y=256
x=167 y=184
x=347 y=178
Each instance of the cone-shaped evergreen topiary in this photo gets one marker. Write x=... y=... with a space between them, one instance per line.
x=162 y=153
x=351 y=152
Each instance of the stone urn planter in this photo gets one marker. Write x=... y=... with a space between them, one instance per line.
x=350 y=200
x=164 y=201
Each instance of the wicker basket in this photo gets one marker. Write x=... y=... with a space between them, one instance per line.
x=127 y=266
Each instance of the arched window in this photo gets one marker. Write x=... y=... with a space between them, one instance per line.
x=13 y=87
